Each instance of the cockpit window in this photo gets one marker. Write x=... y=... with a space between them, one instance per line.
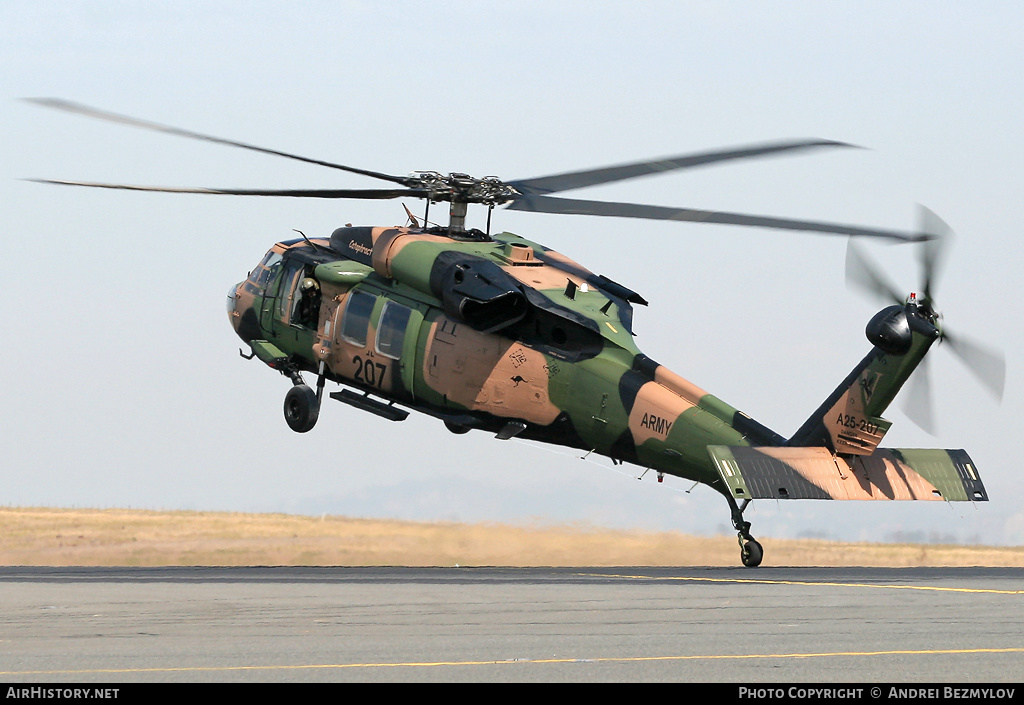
x=263 y=273
x=356 y=319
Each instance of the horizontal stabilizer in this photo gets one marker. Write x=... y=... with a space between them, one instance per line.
x=815 y=473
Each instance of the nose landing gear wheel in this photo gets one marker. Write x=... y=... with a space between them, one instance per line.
x=301 y=408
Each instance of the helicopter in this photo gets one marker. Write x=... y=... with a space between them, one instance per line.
x=492 y=332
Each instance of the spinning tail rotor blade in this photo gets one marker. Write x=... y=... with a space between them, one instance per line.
x=932 y=251
x=987 y=364
x=918 y=404
x=865 y=274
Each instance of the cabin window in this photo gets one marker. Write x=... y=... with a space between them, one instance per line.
x=391 y=329
x=356 y=319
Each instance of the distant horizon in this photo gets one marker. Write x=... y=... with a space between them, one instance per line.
x=537 y=523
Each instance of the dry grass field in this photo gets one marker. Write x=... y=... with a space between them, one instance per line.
x=60 y=537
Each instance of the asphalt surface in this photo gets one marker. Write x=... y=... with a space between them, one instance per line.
x=768 y=625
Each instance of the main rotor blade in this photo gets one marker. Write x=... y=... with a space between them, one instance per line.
x=988 y=365
x=591 y=177
x=865 y=274
x=68 y=106
x=295 y=193
x=549 y=204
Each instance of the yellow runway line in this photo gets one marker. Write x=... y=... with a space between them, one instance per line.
x=808 y=582
x=512 y=662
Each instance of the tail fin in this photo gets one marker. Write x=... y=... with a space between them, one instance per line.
x=850 y=420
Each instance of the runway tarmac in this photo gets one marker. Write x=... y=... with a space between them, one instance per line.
x=769 y=625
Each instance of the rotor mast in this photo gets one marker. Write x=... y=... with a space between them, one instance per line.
x=457 y=217
x=460 y=190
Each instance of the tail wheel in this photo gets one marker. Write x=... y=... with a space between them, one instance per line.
x=751 y=553
x=301 y=408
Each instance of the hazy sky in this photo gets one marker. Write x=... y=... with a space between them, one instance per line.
x=123 y=385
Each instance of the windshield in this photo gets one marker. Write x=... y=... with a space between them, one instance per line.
x=263 y=273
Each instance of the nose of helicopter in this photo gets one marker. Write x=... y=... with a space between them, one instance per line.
x=232 y=304
x=236 y=308
x=241 y=312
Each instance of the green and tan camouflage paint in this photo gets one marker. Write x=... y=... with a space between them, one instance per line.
x=616 y=401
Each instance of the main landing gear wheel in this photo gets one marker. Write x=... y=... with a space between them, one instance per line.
x=301 y=408
x=751 y=553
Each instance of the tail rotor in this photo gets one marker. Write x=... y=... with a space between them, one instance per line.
x=986 y=364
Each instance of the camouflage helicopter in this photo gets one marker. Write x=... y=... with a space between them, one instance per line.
x=493 y=332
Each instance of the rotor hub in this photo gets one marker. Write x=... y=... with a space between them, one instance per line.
x=462 y=188
x=923 y=307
